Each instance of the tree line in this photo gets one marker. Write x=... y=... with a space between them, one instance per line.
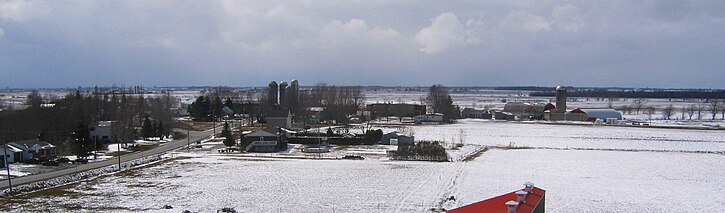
x=66 y=121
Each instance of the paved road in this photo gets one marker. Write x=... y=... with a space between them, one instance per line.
x=193 y=137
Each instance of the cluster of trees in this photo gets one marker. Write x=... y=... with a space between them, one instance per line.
x=440 y=101
x=696 y=111
x=339 y=102
x=422 y=150
x=207 y=108
x=153 y=129
x=61 y=124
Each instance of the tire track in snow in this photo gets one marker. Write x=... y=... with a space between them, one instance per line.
x=410 y=194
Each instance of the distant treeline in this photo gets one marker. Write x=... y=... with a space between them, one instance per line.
x=687 y=94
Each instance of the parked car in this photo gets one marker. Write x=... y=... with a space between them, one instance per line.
x=353 y=157
x=81 y=160
x=62 y=160
x=50 y=163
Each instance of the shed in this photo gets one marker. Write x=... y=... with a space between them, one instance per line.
x=395 y=138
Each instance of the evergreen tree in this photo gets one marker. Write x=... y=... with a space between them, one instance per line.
x=82 y=144
x=228 y=136
x=147 y=128
x=216 y=107
x=229 y=103
x=160 y=132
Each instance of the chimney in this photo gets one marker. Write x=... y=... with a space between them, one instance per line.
x=511 y=206
x=521 y=196
x=529 y=187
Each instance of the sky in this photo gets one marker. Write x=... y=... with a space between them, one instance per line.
x=647 y=43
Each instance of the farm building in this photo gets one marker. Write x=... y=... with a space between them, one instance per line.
x=279 y=118
x=429 y=118
x=501 y=115
x=395 y=138
x=521 y=109
x=103 y=131
x=530 y=199
x=397 y=110
x=475 y=113
x=270 y=139
x=604 y=114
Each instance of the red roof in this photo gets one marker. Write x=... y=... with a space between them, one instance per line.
x=498 y=204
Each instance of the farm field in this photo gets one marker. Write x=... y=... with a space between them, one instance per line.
x=624 y=169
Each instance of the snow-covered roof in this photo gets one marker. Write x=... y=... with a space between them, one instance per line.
x=261 y=133
x=602 y=113
x=29 y=144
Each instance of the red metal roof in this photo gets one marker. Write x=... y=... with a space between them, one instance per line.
x=497 y=204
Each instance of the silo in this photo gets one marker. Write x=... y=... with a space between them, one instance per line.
x=283 y=94
x=561 y=99
x=292 y=95
x=272 y=93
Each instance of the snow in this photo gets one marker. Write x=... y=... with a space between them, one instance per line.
x=582 y=168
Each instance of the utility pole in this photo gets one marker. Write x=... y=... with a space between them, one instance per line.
x=95 y=147
x=188 y=140
x=119 y=155
x=7 y=166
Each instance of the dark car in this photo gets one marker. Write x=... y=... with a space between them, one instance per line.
x=50 y=163
x=81 y=160
x=353 y=157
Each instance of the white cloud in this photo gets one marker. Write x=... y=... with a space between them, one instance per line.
x=2 y=32
x=524 y=21
x=446 y=33
x=354 y=31
x=21 y=10
x=567 y=18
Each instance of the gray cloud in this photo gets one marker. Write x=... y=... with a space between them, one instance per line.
x=601 y=43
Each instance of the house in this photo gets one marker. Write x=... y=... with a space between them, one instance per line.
x=397 y=110
x=530 y=199
x=103 y=131
x=429 y=118
x=27 y=149
x=395 y=138
x=179 y=112
x=475 y=113
x=270 y=139
x=279 y=118
x=8 y=153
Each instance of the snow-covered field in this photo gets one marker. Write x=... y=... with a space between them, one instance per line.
x=628 y=179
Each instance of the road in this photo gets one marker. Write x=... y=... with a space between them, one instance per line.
x=193 y=137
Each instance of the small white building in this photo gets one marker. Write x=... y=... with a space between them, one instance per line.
x=395 y=138
x=279 y=118
x=429 y=118
x=103 y=131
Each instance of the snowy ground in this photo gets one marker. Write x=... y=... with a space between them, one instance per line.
x=629 y=179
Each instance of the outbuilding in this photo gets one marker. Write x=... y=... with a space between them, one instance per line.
x=396 y=138
x=604 y=114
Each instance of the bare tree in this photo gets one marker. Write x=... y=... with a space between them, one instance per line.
x=639 y=104
x=714 y=107
x=668 y=111
x=691 y=110
x=699 y=108
x=650 y=111
x=683 y=110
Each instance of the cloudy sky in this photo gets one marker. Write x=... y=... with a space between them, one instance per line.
x=645 y=43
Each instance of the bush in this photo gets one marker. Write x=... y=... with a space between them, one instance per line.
x=423 y=151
